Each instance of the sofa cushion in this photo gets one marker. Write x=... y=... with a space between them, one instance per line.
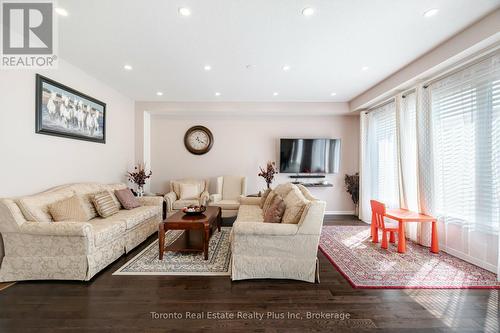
x=179 y=204
x=284 y=189
x=231 y=187
x=135 y=216
x=36 y=207
x=175 y=185
x=86 y=191
x=107 y=230
x=104 y=204
x=275 y=212
x=226 y=204
x=127 y=198
x=112 y=188
x=269 y=201
x=249 y=213
x=69 y=209
x=264 y=197
x=189 y=191
x=295 y=204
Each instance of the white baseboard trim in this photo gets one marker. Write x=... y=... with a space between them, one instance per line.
x=339 y=212
x=465 y=257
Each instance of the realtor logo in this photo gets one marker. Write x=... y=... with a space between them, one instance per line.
x=27 y=35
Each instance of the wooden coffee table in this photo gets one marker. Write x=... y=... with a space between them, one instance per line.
x=189 y=223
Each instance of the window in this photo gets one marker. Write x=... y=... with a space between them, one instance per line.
x=466 y=134
x=381 y=155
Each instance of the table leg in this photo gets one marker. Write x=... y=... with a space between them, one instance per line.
x=401 y=238
x=374 y=231
x=161 y=240
x=219 y=220
x=434 y=240
x=206 y=239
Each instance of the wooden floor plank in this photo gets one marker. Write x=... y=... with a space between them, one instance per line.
x=124 y=304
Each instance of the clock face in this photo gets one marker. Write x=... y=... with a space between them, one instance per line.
x=198 y=140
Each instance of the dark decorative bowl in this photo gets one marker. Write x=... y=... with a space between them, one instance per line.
x=194 y=210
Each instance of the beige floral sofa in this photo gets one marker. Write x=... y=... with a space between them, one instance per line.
x=36 y=248
x=276 y=250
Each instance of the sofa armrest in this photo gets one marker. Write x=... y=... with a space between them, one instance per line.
x=170 y=198
x=263 y=228
x=249 y=200
x=215 y=197
x=204 y=197
x=79 y=229
x=151 y=201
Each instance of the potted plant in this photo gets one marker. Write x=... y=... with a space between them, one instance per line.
x=268 y=173
x=139 y=177
x=352 y=187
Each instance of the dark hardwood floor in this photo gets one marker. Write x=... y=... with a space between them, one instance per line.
x=126 y=303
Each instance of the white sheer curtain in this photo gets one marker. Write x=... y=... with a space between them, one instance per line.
x=466 y=132
x=379 y=167
x=407 y=157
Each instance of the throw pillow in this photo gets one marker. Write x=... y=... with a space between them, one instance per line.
x=295 y=204
x=268 y=202
x=104 y=204
x=275 y=212
x=189 y=191
x=264 y=197
x=70 y=209
x=127 y=198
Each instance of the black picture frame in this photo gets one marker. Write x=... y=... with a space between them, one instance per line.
x=91 y=105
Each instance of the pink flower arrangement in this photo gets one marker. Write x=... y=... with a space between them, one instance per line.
x=268 y=173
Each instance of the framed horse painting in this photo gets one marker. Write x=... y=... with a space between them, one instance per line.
x=63 y=111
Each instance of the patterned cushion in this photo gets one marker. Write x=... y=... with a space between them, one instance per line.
x=295 y=204
x=275 y=212
x=127 y=199
x=189 y=191
x=70 y=209
x=268 y=202
x=104 y=204
x=264 y=197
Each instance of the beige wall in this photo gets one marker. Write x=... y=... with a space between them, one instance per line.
x=242 y=143
x=31 y=162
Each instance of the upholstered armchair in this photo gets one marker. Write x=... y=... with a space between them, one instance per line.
x=186 y=192
x=229 y=191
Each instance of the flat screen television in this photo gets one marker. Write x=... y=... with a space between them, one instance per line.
x=309 y=155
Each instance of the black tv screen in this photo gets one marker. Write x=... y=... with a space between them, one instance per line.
x=309 y=155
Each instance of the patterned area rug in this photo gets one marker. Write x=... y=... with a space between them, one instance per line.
x=365 y=265
x=178 y=263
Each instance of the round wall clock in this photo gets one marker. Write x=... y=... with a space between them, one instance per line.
x=198 y=140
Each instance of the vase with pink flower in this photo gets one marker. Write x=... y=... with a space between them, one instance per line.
x=139 y=177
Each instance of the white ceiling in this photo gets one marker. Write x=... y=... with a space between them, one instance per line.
x=325 y=51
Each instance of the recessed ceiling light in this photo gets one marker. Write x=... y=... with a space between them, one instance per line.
x=127 y=67
x=275 y=94
x=159 y=93
x=207 y=67
x=365 y=68
x=184 y=11
x=333 y=94
x=308 y=11
x=217 y=94
x=286 y=68
x=431 y=12
x=61 y=11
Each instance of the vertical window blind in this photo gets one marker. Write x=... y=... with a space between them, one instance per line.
x=466 y=143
